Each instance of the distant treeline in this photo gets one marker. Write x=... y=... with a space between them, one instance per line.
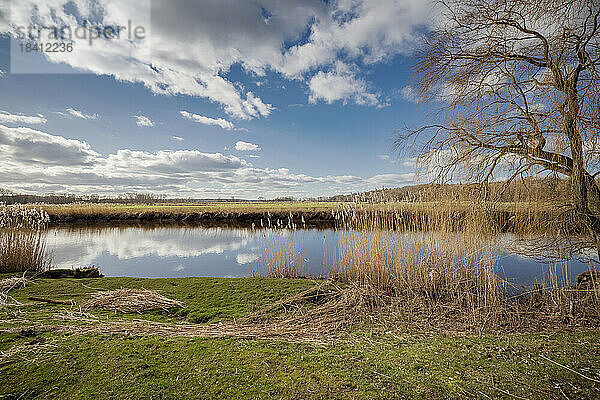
x=526 y=189
x=9 y=197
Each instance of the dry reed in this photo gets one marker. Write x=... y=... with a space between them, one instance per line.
x=429 y=275
x=282 y=255
x=22 y=239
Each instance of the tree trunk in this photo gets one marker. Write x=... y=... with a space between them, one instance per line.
x=586 y=194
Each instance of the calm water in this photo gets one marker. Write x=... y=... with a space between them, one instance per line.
x=221 y=252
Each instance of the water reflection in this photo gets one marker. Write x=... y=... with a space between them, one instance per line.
x=223 y=252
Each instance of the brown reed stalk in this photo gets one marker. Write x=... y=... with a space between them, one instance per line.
x=23 y=239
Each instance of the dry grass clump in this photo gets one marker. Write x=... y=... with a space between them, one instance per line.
x=130 y=301
x=22 y=239
x=16 y=282
x=329 y=310
x=8 y=284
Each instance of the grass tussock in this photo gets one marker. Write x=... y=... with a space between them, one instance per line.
x=22 y=239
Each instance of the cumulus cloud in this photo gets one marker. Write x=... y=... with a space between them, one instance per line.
x=8 y=118
x=81 y=114
x=141 y=120
x=246 y=258
x=193 y=46
x=340 y=84
x=32 y=147
x=178 y=138
x=37 y=162
x=245 y=146
x=223 y=123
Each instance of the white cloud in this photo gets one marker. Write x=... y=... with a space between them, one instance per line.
x=391 y=180
x=245 y=146
x=8 y=118
x=81 y=114
x=246 y=258
x=141 y=120
x=178 y=138
x=219 y=35
x=253 y=156
x=410 y=162
x=383 y=156
x=410 y=94
x=38 y=162
x=29 y=146
x=223 y=123
x=340 y=84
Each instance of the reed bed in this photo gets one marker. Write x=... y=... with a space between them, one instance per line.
x=435 y=275
x=436 y=270
x=281 y=254
x=23 y=239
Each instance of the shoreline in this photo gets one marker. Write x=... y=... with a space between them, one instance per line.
x=505 y=217
x=319 y=219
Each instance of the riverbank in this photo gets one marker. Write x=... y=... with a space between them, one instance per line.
x=58 y=351
x=505 y=217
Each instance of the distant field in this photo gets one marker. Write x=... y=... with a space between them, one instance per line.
x=190 y=207
x=299 y=206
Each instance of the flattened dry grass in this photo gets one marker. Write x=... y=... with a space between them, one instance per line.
x=130 y=301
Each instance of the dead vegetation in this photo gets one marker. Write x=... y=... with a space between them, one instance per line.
x=130 y=301
x=16 y=282
x=330 y=312
x=8 y=284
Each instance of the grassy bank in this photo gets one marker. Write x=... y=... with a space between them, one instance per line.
x=365 y=363
x=229 y=213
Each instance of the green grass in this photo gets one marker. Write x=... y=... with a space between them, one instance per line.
x=381 y=366
x=205 y=299
x=82 y=367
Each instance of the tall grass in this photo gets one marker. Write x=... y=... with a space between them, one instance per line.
x=425 y=255
x=435 y=271
x=282 y=254
x=23 y=239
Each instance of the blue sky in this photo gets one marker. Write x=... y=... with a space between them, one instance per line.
x=246 y=99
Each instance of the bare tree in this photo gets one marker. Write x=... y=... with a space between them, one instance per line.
x=516 y=87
